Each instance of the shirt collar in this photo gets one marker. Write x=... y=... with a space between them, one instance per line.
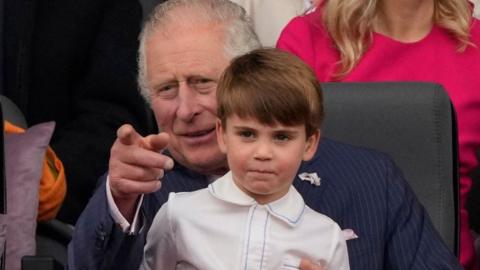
x=289 y=208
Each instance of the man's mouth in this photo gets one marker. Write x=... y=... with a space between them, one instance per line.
x=198 y=133
x=199 y=137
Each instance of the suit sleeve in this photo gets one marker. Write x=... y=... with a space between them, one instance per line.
x=98 y=243
x=412 y=242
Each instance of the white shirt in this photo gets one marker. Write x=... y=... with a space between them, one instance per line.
x=221 y=227
x=120 y=220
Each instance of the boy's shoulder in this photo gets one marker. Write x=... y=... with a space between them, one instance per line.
x=318 y=221
x=182 y=202
x=187 y=197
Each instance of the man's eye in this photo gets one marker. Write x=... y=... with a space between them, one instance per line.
x=167 y=90
x=203 y=84
x=167 y=87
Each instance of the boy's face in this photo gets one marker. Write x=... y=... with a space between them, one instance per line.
x=264 y=159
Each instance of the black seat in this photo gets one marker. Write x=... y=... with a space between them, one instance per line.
x=415 y=124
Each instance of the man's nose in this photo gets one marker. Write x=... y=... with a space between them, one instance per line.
x=188 y=106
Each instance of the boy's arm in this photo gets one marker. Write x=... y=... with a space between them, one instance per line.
x=339 y=258
x=160 y=250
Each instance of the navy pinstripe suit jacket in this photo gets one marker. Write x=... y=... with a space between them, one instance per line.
x=360 y=189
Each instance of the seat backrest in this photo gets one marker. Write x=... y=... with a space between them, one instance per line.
x=415 y=124
x=12 y=113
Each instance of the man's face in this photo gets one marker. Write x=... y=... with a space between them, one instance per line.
x=183 y=68
x=264 y=159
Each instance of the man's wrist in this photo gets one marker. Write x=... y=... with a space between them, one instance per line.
x=124 y=211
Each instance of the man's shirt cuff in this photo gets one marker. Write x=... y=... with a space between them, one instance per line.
x=118 y=217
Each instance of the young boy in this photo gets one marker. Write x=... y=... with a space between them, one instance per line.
x=270 y=110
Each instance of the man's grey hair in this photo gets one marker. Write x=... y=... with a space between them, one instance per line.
x=240 y=37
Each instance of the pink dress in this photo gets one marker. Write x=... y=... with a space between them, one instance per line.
x=433 y=59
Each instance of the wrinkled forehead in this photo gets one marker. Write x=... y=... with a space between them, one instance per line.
x=185 y=19
x=185 y=51
x=185 y=28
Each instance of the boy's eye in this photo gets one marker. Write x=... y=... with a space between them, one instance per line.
x=282 y=137
x=246 y=134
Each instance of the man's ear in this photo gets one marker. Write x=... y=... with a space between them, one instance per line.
x=220 y=136
x=311 y=145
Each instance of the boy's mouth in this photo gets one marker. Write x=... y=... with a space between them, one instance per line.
x=262 y=171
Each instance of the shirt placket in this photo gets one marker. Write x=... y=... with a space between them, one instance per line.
x=255 y=252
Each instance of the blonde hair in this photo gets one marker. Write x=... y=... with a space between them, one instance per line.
x=350 y=25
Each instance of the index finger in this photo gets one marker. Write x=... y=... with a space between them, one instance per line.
x=128 y=135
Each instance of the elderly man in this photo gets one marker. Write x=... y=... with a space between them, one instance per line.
x=185 y=46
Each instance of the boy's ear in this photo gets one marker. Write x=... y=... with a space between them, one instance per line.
x=311 y=145
x=220 y=133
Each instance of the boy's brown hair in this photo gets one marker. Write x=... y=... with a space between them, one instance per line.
x=271 y=86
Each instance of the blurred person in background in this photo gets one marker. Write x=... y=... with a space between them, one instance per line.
x=74 y=62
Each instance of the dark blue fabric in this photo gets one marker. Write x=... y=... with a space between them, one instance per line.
x=360 y=189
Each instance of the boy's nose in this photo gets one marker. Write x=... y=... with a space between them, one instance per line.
x=263 y=151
